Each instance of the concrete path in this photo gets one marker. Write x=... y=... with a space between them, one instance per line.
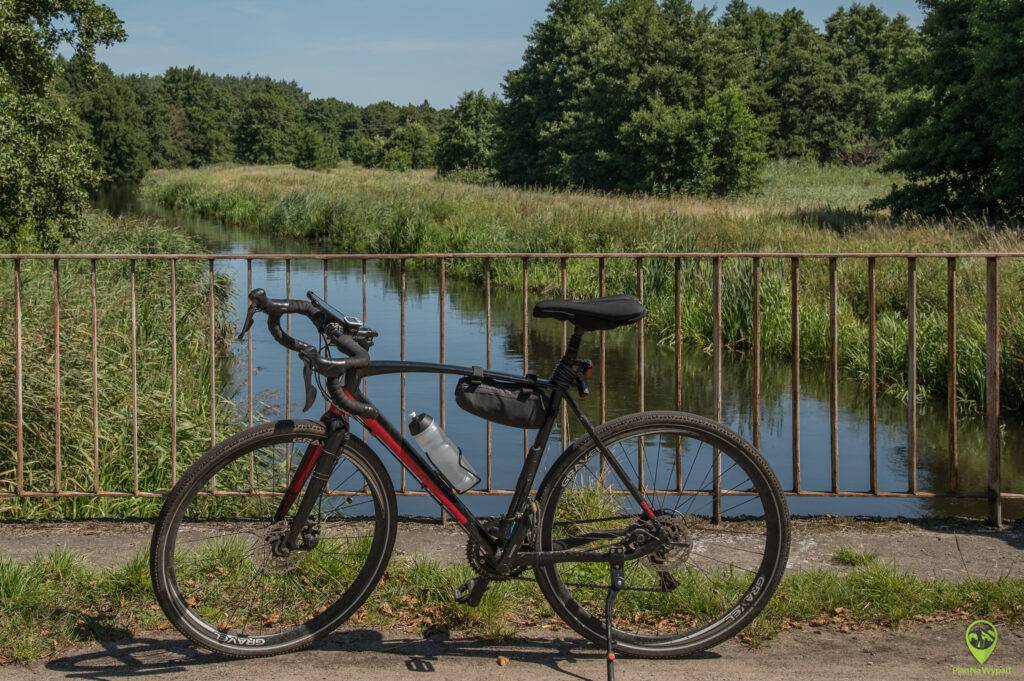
x=948 y=550
x=916 y=652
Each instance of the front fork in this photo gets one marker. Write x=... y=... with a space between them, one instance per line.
x=316 y=466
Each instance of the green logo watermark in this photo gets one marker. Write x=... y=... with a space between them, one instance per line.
x=982 y=638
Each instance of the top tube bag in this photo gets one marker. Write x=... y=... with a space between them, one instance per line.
x=505 y=403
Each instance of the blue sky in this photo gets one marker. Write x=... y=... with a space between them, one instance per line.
x=363 y=52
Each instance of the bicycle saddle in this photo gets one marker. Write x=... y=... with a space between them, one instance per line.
x=600 y=314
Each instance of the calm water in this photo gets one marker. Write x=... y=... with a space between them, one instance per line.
x=465 y=344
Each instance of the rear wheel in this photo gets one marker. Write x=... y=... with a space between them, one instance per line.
x=708 y=580
x=216 y=568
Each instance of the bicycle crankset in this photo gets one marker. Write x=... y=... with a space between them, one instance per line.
x=478 y=560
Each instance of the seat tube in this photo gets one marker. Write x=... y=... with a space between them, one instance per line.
x=534 y=455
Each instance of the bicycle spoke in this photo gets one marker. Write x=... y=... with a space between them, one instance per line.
x=234 y=574
x=705 y=554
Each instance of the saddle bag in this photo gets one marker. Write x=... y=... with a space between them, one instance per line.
x=505 y=403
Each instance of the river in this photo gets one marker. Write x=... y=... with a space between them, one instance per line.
x=465 y=344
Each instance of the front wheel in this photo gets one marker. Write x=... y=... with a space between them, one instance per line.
x=217 y=567
x=722 y=510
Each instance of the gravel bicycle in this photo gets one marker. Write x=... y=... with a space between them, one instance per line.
x=656 y=534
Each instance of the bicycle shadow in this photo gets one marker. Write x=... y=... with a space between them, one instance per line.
x=150 y=656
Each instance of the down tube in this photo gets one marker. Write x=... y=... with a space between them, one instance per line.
x=386 y=434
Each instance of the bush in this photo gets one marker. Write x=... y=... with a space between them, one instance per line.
x=715 y=150
x=364 y=150
x=396 y=158
x=468 y=138
x=410 y=146
x=312 y=152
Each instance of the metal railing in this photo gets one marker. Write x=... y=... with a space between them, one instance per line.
x=993 y=493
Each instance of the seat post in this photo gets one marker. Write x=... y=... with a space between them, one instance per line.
x=572 y=348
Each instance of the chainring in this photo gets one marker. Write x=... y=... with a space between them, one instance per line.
x=478 y=560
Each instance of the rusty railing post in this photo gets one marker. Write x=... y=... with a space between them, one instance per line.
x=993 y=436
x=716 y=314
x=833 y=369
x=912 y=375
x=794 y=297
x=57 y=387
x=872 y=377
x=19 y=415
x=755 y=332
x=952 y=417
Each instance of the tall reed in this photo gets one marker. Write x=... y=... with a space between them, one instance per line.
x=114 y=467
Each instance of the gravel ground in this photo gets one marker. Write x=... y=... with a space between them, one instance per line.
x=915 y=652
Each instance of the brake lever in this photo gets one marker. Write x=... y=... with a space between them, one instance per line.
x=247 y=324
x=307 y=377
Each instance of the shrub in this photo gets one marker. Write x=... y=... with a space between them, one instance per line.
x=312 y=152
x=468 y=138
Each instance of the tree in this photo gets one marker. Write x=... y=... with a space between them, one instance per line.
x=806 y=89
x=111 y=113
x=312 y=152
x=150 y=95
x=962 y=130
x=413 y=141
x=869 y=49
x=468 y=138
x=197 y=116
x=601 y=81
x=45 y=168
x=335 y=120
x=264 y=133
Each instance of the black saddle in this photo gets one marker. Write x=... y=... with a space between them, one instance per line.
x=599 y=314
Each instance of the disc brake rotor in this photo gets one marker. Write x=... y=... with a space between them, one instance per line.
x=266 y=554
x=676 y=549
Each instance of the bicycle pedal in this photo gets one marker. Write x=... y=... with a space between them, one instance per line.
x=471 y=591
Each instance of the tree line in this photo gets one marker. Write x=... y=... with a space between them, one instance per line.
x=663 y=97
x=186 y=117
x=653 y=96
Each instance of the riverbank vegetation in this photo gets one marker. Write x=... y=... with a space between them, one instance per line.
x=57 y=600
x=653 y=97
x=113 y=471
x=802 y=208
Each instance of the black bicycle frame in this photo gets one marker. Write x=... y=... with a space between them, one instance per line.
x=506 y=553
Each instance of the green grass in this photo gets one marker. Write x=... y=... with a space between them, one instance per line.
x=57 y=600
x=854 y=556
x=802 y=207
x=114 y=468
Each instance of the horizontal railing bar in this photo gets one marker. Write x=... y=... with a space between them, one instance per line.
x=513 y=255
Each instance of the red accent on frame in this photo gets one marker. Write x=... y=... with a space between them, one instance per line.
x=647 y=509
x=398 y=450
x=301 y=475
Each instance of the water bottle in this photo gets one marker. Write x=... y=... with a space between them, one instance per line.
x=442 y=452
